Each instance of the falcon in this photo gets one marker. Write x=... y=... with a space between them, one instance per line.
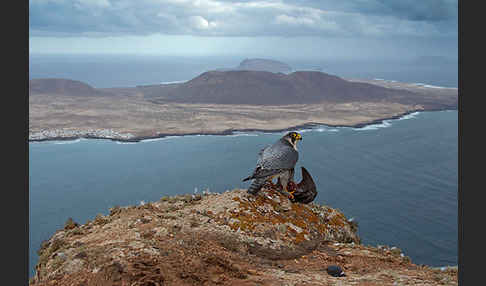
x=276 y=161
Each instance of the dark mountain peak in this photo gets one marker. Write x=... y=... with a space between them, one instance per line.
x=267 y=88
x=236 y=78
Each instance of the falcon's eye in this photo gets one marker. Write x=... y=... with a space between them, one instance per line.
x=295 y=135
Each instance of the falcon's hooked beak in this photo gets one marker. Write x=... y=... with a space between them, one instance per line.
x=294 y=137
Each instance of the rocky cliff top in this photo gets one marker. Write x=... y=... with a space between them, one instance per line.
x=231 y=238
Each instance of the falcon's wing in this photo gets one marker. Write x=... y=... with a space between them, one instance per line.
x=273 y=159
x=260 y=155
x=278 y=156
x=263 y=173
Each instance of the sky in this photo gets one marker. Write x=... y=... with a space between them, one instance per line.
x=341 y=29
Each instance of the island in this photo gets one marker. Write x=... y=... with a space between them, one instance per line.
x=264 y=65
x=258 y=64
x=222 y=102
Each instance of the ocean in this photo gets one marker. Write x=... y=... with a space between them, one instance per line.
x=397 y=179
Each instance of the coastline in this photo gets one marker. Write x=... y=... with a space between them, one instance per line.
x=226 y=132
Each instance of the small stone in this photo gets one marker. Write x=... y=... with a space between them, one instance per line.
x=70 y=224
x=395 y=251
x=252 y=272
x=294 y=227
x=187 y=198
x=282 y=228
x=335 y=271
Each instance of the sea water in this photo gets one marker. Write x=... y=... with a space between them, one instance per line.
x=397 y=179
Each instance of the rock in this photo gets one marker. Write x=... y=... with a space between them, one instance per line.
x=61 y=255
x=70 y=224
x=335 y=271
x=229 y=239
x=395 y=251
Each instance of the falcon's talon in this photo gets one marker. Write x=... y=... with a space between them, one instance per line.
x=292 y=186
x=291 y=194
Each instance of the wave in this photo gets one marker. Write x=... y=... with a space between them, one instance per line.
x=118 y=142
x=384 y=124
x=67 y=142
x=157 y=139
x=388 y=122
x=317 y=128
x=387 y=80
x=151 y=140
x=429 y=85
x=172 y=82
x=409 y=116
x=326 y=129
x=238 y=134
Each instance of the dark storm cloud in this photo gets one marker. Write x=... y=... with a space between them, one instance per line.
x=424 y=10
x=325 y=18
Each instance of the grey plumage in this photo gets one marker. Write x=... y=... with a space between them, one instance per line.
x=275 y=161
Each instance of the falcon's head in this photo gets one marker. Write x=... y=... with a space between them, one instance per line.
x=292 y=138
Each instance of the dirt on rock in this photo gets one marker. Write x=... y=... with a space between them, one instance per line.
x=232 y=238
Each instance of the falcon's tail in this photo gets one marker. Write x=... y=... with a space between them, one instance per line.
x=256 y=185
x=246 y=179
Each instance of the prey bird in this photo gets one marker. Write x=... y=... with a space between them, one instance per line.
x=305 y=191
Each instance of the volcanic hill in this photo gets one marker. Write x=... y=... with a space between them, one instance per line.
x=267 y=88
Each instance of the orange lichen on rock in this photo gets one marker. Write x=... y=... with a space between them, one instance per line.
x=272 y=210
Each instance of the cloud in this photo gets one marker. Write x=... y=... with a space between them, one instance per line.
x=285 y=19
x=92 y=3
x=324 y=18
x=200 y=23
